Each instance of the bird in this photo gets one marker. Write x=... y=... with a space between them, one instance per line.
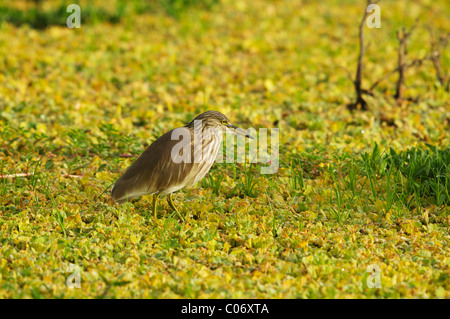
x=177 y=159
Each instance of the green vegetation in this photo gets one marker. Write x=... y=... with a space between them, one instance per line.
x=427 y=173
x=42 y=14
x=353 y=188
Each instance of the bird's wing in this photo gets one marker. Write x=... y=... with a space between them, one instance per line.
x=155 y=170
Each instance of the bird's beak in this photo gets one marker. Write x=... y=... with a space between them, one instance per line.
x=238 y=131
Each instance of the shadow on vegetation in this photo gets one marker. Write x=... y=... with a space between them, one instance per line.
x=38 y=18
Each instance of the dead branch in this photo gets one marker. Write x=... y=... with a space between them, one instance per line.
x=402 y=36
x=436 y=48
x=14 y=175
x=389 y=74
x=29 y=174
x=126 y=155
x=360 y=102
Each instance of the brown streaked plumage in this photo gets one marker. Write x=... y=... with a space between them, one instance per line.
x=161 y=170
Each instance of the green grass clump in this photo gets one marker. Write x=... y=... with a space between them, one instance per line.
x=416 y=176
x=427 y=172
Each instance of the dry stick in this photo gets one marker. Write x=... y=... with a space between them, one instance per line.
x=435 y=58
x=407 y=65
x=402 y=37
x=350 y=77
x=437 y=65
x=431 y=56
x=403 y=66
x=14 y=175
x=29 y=174
x=357 y=83
x=360 y=102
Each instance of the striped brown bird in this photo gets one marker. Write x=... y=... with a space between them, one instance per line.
x=178 y=159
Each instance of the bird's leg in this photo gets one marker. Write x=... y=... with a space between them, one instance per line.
x=155 y=203
x=172 y=205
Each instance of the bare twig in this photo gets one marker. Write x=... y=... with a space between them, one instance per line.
x=29 y=174
x=14 y=175
x=127 y=155
x=389 y=74
x=360 y=102
x=436 y=48
x=73 y=176
x=403 y=36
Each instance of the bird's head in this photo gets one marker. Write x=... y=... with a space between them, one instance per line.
x=217 y=120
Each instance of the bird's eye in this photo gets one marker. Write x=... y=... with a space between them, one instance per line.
x=224 y=122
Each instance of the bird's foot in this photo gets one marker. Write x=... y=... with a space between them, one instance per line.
x=172 y=205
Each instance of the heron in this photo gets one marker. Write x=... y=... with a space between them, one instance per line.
x=178 y=159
